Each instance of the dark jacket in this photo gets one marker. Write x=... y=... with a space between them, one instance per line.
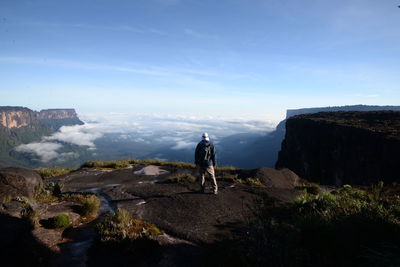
x=197 y=155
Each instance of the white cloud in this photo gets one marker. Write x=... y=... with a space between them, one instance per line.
x=81 y=135
x=46 y=151
x=184 y=145
x=177 y=132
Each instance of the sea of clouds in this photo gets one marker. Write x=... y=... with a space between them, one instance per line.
x=179 y=132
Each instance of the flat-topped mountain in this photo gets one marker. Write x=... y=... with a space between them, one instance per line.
x=69 y=113
x=264 y=151
x=343 y=147
x=21 y=125
x=17 y=117
x=294 y=112
x=56 y=118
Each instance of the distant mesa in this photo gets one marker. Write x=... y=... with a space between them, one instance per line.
x=21 y=125
x=343 y=147
x=264 y=151
x=58 y=114
x=17 y=117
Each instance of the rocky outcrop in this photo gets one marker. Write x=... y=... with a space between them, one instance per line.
x=343 y=147
x=17 y=117
x=19 y=182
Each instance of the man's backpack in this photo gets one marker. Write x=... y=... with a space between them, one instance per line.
x=205 y=153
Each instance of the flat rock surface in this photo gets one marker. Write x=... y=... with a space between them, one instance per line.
x=179 y=209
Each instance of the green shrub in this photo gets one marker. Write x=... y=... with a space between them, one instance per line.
x=59 y=221
x=90 y=205
x=47 y=173
x=314 y=189
x=121 y=225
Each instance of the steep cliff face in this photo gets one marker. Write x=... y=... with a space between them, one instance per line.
x=17 y=117
x=343 y=147
x=264 y=151
x=56 y=118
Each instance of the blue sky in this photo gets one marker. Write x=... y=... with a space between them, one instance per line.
x=235 y=59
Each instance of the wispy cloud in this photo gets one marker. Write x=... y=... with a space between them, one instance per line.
x=126 y=28
x=138 y=68
x=81 y=65
x=200 y=35
x=367 y=95
x=86 y=26
x=175 y=132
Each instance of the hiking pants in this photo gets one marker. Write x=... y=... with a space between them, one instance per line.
x=210 y=171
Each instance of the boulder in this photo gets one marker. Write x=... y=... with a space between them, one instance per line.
x=283 y=178
x=16 y=182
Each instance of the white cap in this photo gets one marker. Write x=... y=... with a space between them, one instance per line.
x=205 y=137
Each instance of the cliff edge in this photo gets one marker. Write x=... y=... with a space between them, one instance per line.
x=343 y=147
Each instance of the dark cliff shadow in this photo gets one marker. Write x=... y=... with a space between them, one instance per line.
x=18 y=247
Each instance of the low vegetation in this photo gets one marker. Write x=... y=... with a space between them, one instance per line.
x=47 y=173
x=59 y=221
x=30 y=215
x=172 y=164
x=124 y=163
x=253 y=181
x=51 y=193
x=345 y=227
x=117 y=164
x=122 y=226
x=311 y=188
x=90 y=205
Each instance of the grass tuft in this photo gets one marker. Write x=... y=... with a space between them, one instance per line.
x=253 y=181
x=120 y=226
x=47 y=173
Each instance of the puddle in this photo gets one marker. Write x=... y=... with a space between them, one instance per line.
x=151 y=170
x=141 y=203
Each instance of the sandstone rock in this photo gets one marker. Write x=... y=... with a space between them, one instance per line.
x=283 y=178
x=19 y=182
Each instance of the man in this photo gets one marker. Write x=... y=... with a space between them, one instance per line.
x=205 y=160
